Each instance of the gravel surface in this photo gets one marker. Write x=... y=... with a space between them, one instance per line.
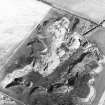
x=5 y=100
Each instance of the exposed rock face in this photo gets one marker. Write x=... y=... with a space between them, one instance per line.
x=60 y=70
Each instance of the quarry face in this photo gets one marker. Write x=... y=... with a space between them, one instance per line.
x=57 y=64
